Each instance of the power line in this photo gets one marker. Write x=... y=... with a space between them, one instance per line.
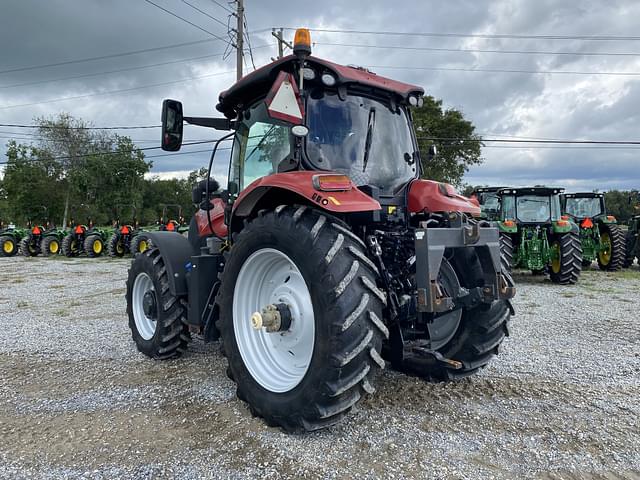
x=475 y=50
x=97 y=74
x=247 y=36
x=112 y=152
x=223 y=7
x=110 y=92
x=499 y=70
x=519 y=141
x=479 y=35
x=187 y=21
x=204 y=13
x=104 y=57
x=138 y=127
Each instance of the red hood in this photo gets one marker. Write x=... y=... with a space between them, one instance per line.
x=430 y=196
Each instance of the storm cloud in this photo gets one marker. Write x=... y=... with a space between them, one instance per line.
x=501 y=104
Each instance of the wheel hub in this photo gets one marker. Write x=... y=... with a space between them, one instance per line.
x=273 y=318
x=149 y=304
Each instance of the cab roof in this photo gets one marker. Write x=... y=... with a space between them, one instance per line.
x=584 y=195
x=258 y=83
x=487 y=189
x=542 y=191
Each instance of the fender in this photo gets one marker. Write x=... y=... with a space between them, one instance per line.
x=176 y=252
x=301 y=184
x=431 y=196
x=217 y=220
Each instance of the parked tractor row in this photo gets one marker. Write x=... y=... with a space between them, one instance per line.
x=545 y=230
x=118 y=240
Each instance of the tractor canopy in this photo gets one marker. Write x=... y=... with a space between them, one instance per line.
x=487 y=198
x=354 y=122
x=581 y=206
x=531 y=204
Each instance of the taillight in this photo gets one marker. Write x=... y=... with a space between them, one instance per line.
x=565 y=223
x=509 y=223
x=331 y=183
x=611 y=218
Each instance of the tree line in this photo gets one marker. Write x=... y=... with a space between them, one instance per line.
x=71 y=173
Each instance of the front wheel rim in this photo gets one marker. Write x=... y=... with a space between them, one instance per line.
x=7 y=246
x=277 y=361
x=145 y=325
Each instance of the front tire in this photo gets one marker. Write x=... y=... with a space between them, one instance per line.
x=8 y=246
x=157 y=319
x=316 y=266
x=117 y=247
x=140 y=243
x=28 y=246
x=70 y=246
x=566 y=265
x=612 y=258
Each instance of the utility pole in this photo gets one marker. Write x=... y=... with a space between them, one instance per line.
x=240 y=39
x=281 y=42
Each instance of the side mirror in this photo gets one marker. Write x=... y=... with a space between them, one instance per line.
x=171 y=125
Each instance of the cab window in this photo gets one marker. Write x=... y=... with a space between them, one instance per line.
x=260 y=145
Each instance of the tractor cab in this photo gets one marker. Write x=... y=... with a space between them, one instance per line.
x=487 y=198
x=531 y=205
x=601 y=237
x=585 y=206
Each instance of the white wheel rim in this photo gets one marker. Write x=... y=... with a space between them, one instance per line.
x=277 y=361
x=146 y=326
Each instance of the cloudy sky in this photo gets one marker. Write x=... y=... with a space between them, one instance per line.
x=43 y=43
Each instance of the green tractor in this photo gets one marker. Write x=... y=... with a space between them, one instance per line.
x=534 y=236
x=84 y=238
x=123 y=240
x=44 y=238
x=10 y=237
x=601 y=237
x=633 y=234
x=167 y=223
x=487 y=199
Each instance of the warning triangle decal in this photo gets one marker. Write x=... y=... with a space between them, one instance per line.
x=283 y=101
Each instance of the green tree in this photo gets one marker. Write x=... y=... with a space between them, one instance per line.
x=618 y=205
x=458 y=146
x=30 y=184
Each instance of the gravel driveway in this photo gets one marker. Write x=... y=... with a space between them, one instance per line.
x=77 y=400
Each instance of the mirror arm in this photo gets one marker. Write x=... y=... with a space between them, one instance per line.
x=217 y=123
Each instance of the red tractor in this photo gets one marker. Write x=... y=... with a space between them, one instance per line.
x=326 y=256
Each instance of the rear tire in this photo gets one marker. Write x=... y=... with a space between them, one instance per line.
x=630 y=251
x=94 y=246
x=507 y=251
x=613 y=259
x=569 y=265
x=479 y=333
x=335 y=367
x=50 y=246
x=116 y=246
x=8 y=246
x=70 y=246
x=163 y=332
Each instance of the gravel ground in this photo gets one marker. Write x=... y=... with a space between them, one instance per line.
x=77 y=400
